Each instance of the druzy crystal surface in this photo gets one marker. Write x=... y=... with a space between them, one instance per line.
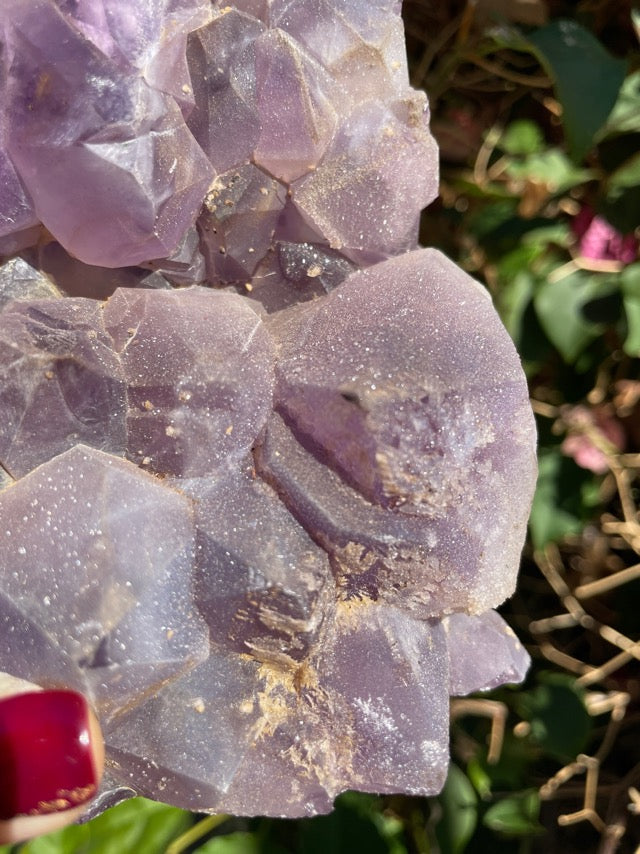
x=265 y=464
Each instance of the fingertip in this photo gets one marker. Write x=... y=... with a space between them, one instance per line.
x=51 y=758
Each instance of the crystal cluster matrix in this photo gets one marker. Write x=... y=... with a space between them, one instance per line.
x=265 y=464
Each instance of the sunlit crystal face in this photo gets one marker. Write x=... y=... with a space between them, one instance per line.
x=260 y=524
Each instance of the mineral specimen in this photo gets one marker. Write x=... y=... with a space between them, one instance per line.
x=261 y=523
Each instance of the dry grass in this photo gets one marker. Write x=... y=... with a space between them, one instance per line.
x=568 y=603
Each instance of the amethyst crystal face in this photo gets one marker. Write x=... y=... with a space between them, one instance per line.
x=265 y=464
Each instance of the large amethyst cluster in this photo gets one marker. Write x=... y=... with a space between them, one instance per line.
x=265 y=465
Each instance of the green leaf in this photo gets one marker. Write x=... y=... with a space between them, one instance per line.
x=559 y=306
x=557 y=233
x=139 y=825
x=233 y=843
x=625 y=178
x=552 y=168
x=522 y=137
x=625 y=116
x=513 y=301
x=630 y=285
x=555 y=708
x=587 y=79
x=630 y=281
x=71 y=840
x=515 y=816
x=478 y=777
x=459 y=805
x=620 y=207
x=519 y=275
x=352 y=826
x=492 y=217
x=556 y=509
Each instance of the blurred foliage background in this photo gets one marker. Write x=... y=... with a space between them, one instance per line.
x=536 y=107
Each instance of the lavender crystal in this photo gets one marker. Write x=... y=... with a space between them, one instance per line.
x=265 y=465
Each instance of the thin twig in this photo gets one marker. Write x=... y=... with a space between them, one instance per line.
x=433 y=48
x=530 y=81
x=603 y=585
x=195 y=833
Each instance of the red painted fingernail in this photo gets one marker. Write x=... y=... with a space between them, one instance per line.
x=46 y=754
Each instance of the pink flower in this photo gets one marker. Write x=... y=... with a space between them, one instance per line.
x=587 y=425
x=600 y=241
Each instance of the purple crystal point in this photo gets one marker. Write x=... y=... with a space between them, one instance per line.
x=113 y=548
x=148 y=36
x=293 y=97
x=185 y=266
x=301 y=263
x=362 y=46
x=117 y=136
x=357 y=195
x=20 y=280
x=243 y=207
x=60 y=384
x=186 y=743
x=483 y=653
x=199 y=387
x=17 y=215
x=391 y=382
x=389 y=675
x=222 y=60
x=263 y=584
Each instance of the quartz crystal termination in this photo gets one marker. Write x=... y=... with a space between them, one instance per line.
x=77 y=115
x=118 y=123
x=406 y=404
x=262 y=524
